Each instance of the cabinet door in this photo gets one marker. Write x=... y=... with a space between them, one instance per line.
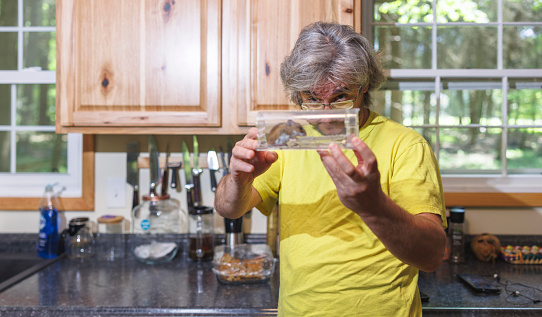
x=254 y=47
x=148 y=63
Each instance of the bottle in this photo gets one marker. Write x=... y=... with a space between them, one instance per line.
x=156 y=225
x=234 y=231
x=47 y=246
x=201 y=238
x=457 y=218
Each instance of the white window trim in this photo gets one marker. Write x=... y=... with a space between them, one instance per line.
x=468 y=183
x=19 y=185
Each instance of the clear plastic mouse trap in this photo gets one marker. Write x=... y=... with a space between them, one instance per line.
x=306 y=130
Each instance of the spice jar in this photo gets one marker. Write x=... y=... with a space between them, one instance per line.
x=201 y=233
x=111 y=238
x=156 y=225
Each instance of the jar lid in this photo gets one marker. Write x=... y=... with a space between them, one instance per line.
x=154 y=197
x=200 y=210
x=457 y=214
x=110 y=219
x=79 y=221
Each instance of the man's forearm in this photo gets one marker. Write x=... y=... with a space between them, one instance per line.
x=231 y=200
x=417 y=240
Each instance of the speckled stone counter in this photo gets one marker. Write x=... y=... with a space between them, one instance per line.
x=448 y=296
x=185 y=288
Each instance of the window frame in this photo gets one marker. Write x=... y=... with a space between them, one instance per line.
x=84 y=202
x=22 y=191
x=472 y=190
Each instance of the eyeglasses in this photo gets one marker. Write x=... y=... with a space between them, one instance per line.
x=346 y=104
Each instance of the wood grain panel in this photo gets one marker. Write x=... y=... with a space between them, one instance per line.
x=138 y=63
x=172 y=53
x=107 y=64
x=493 y=199
x=274 y=26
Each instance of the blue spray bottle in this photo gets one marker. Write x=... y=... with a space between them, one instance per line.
x=49 y=225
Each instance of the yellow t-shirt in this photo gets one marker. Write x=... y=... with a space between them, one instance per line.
x=331 y=264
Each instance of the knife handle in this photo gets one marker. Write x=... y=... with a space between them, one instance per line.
x=174 y=180
x=189 y=197
x=165 y=179
x=135 y=199
x=197 y=189
x=213 y=180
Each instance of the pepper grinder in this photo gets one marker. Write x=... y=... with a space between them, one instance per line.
x=234 y=231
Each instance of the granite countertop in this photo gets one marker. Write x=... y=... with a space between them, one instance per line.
x=127 y=287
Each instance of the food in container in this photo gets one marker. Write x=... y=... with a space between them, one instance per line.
x=306 y=130
x=522 y=255
x=243 y=263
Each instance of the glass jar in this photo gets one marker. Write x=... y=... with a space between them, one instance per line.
x=111 y=238
x=79 y=239
x=156 y=224
x=201 y=238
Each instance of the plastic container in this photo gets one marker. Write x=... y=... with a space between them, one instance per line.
x=456 y=231
x=156 y=224
x=50 y=225
x=306 y=130
x=243 y=263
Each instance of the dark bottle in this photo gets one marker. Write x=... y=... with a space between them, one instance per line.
x=47 y=246
x=234 y=231
x=456 y=232
x=201 y=233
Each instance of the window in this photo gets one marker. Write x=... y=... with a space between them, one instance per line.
x=467 y=74
x=32 y=155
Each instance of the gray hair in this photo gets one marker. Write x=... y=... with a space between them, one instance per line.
x=331 y=52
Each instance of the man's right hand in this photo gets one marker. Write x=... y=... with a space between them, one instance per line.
x=246 y=163
x=234 y=194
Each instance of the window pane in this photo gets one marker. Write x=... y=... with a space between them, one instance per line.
x=479 y=11
x=39 y=13
x=5 y=104
x=525 y=103
x=405 y=103
x=522 y=46
x=524 y=152
x=8 y=13
x=404 y=47
x=522 y=11
x=40 y=50
x=430 y=135
x=403 y=11
x=8 y=51
x=470 y=149
x=44 y=152
x=5 y=144
x=471 y=102
x=36 y=104
x=460 y=47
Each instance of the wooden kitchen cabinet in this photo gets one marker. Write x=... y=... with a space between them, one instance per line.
x=148 y=66
x=178 y=66
x=257 y=35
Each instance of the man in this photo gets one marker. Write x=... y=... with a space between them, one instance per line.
x=356 y=225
